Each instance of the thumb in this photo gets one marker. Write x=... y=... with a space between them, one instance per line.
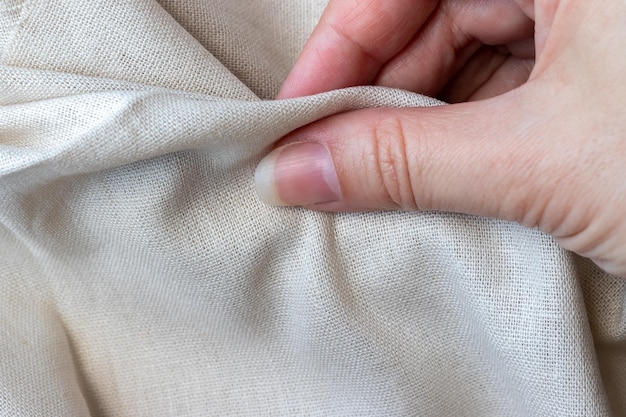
x=470 y=158
x=558 y=167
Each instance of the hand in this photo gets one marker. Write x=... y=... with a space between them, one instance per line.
x=454 y=49
x=538 y=134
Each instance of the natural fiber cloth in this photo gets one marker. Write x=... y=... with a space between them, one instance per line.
x=141 y=276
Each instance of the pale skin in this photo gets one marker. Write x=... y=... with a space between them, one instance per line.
x=536 y=134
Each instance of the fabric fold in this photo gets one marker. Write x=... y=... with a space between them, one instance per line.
x=140 y=275
x=114 y=128
x=143 y=43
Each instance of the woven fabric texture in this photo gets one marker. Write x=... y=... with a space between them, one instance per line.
x=140 y=275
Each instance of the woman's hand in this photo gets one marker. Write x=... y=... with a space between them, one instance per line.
x=538 y=134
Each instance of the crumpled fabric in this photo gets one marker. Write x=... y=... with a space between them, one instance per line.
x=141 y=276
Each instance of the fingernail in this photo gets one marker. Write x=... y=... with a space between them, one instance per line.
x=297 y=174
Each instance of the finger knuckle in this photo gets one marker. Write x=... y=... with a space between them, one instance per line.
x=393 y=162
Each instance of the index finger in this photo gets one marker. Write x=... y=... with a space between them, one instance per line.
x=353 y=39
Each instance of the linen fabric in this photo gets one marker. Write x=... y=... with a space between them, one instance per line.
x=141 y=276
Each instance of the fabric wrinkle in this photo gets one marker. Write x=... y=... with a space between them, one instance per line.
x=142 y=276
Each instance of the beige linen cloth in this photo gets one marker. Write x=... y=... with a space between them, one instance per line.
x=140 y=275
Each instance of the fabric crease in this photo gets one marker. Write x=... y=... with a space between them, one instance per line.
x=141 y=275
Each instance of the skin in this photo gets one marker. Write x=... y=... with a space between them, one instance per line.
x=536 y=134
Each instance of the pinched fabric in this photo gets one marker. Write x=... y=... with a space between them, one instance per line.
x=141 y=276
